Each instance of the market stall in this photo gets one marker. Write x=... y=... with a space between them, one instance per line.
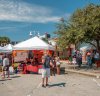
x=6 y=49
x=35 y=47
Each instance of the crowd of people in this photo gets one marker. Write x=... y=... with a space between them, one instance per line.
x=91 y=57
x=51 y=62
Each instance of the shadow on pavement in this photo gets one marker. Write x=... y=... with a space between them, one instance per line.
x=15 y=76
x=58 y=84
x=62 y=71
x=8 y=79
x=3 y=80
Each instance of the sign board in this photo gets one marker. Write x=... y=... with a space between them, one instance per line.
x=20 y=56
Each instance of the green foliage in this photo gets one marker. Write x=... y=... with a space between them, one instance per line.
x=87 y=22
x=4 y=40
x=62 y=57
x=45 y=39
x=83 y=26
x=61 y=32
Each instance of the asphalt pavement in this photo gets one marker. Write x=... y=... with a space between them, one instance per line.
x=66 y=84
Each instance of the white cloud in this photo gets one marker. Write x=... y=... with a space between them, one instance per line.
x=12 y=10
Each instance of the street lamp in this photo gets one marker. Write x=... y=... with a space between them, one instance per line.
x=35 y=33
x=30 y=34
x=38 y=34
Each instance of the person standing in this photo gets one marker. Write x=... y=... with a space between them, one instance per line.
x=53 y=68
x=58 y=64
x=97 y=56
x=5 y=66
x=89 y=59
x=79 y=58
x=47 y=62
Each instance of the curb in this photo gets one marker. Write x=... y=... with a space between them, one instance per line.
x=83 y=73
x=80 y=72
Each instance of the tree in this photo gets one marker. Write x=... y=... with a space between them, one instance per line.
x=61 y=32
x=66 y=34
x=83 y=26
x=45 y=39
x=4 y=40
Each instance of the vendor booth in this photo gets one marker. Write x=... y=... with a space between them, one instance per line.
x=31 y=50
x=6 y=49
x=84 y=49
x=34 y=43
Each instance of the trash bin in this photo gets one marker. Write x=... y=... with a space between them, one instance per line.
x=58 y=69
x=97 y=63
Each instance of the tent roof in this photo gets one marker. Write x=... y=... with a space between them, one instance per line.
x=87 y=47
x=7 y=48
x=33 y=43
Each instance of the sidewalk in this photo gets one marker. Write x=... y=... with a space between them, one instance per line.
x=95 y=72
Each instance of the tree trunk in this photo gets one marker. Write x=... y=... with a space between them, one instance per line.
x=98 y=45
x=77 y=45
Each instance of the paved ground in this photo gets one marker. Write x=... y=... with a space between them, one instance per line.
x=72 y=67
x=60 y=85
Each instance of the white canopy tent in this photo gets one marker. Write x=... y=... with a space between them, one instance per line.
x=87 y=47
x=34 y=43
x=7 y=48
x=0 y=48
x=53 y=43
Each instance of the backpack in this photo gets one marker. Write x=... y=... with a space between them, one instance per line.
x=47 y=62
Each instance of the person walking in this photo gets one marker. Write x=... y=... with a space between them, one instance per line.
x=5 y=67
x=47 y=62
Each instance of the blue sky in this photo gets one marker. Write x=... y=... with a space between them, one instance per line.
x=19 y=17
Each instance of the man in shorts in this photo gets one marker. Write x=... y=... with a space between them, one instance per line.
x=47 y=62
x=5 y=66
